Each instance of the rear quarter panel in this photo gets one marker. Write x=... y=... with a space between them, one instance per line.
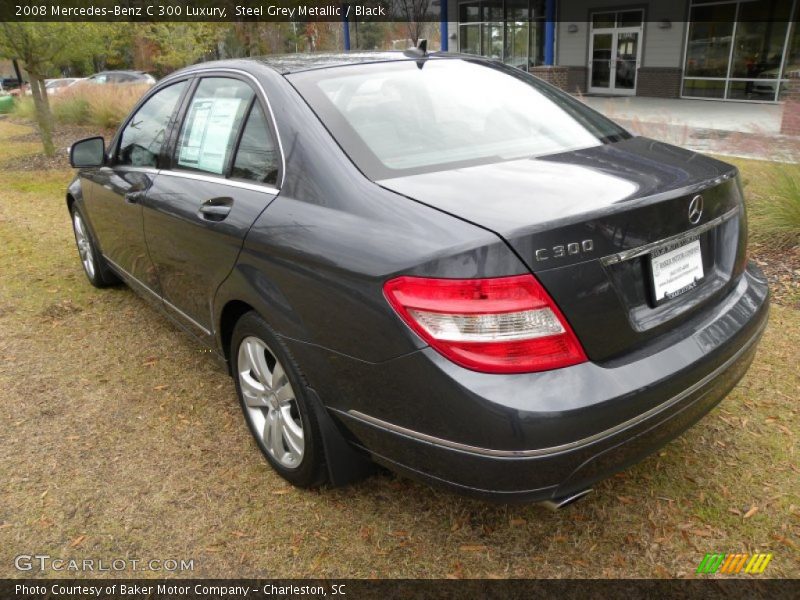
x=315 y=261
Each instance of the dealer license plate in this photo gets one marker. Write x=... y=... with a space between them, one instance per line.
x=676 y=269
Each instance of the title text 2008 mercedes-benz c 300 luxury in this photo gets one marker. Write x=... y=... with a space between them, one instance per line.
x=432 y=261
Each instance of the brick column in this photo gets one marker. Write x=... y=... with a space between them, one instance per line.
x=790 y=124
x=557 y=76
x=659 y=82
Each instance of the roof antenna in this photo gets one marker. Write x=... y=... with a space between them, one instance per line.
x=421 y=51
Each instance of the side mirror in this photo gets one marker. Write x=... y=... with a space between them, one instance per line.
x=90 y=152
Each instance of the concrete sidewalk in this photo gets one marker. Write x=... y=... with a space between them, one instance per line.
x=744 y=117
x=742 y=129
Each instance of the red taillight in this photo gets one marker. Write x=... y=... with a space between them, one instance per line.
x=499 y=325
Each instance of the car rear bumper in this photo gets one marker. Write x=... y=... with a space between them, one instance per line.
x=545 y=435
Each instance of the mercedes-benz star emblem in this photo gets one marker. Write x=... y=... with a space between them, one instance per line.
x=695 y=209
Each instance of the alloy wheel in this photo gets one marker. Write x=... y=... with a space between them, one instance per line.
x=84 y=245
x=270 y=402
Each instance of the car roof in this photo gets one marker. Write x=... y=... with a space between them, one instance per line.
x=294 y=63
x=126 y=72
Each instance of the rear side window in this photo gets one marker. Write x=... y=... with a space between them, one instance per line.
x=212 y=122
x=257 y=156
x=143 y=136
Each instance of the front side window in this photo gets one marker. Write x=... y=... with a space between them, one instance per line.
x=212 y=122
x=398 y=118
x=257 y=157
x=143 y=136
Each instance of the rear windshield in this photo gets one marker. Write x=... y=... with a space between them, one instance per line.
x=406 y=117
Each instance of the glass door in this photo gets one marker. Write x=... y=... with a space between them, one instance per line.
x=626 y=60
x=602 y=57
x=615 y=52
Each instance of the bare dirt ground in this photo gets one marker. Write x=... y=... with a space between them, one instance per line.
x=119 y=438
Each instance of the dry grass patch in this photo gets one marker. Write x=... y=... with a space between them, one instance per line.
x=773 y=204
x=99 y=106
x=11 y=148
x=120 y=438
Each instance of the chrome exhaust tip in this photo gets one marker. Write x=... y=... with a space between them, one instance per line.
x=559 y=503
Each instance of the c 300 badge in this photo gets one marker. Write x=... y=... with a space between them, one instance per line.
x=562 y=250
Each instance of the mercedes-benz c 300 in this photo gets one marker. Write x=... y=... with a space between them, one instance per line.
x=430 y=261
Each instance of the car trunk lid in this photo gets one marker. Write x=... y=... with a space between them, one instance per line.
x=588 y=223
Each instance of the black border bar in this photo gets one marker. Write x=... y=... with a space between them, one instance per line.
x=711 y=588
x=278 y=11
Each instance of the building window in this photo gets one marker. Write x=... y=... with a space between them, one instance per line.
x=735 y=49
x=469 y=26
x=791 y=68
x=518 y=33
x=610 y=20
x=507 y=30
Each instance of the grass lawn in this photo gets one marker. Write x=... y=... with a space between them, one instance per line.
x=120 y=438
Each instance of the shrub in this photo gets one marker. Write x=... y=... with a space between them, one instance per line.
x=775 y=217
x=72 y=110
x=100 y=106
x=24 y=109
x=110 y=104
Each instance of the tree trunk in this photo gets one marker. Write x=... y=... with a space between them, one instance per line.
x=51 y=120
x=251 y=42
x=46 y=99
x=43 y=117
x=16 y=70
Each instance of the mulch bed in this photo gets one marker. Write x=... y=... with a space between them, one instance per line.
x=38 y=162
x=63 y=137
x=782 y=269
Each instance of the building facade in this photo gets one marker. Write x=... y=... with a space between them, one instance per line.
x=740 y=50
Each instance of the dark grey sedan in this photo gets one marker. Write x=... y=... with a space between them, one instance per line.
x=430 y=261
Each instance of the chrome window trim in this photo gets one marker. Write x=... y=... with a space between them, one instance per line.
x=159 y=296
x=264 y=96
x=374 y=421
x=133 y=168
x=619 y=257
x=257 y=187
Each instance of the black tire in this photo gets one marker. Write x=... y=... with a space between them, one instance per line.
x=310 y=470
x=96 y=268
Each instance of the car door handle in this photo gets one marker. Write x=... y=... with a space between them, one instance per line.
x=135 y=197
x=216 y=209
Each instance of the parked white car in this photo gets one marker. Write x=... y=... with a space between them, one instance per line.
x=767 y=80
x=120 y=78
x=57 y=86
